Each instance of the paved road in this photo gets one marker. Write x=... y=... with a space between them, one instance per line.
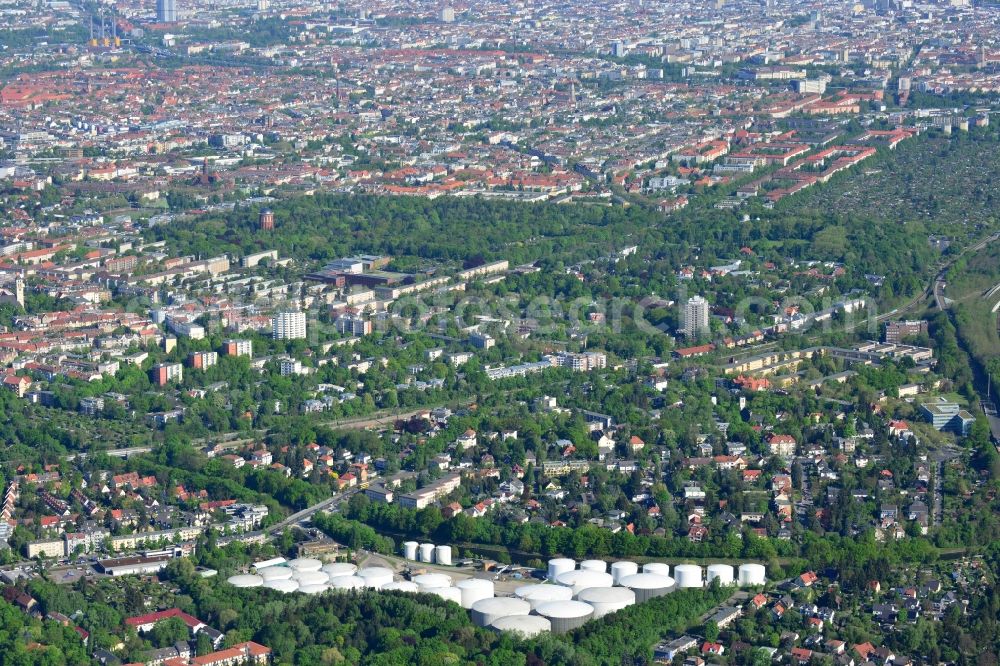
x=302 y=515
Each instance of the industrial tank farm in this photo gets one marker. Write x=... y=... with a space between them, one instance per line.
x=570 y=596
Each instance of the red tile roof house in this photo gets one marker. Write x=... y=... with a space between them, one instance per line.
x=144 y=623
x=241 y=653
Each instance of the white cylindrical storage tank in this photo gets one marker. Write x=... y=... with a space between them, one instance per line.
x=648 y=585
x=594 y=565
x=607 y=599
x=311 y=578
x=305 y=564
x=536 y=595
x=245 y=580
x=581 y=580
x=410 y=550
x=473 y=590
x=313 y=589
x=559 y=566
x=524 y=626
x=276 y=573
x=566 y=615
x=442 y=555
x=658 y=568
x=426 y=552
x=688 y=575
x=723 y=572
x=285 y=586
x=430 y=580
x=347 y=583
x=376 y=577
x=621 y=569
x=401 y=586
x=335 y=569
x=752 y=575
x=447 y=593
x=487 y=611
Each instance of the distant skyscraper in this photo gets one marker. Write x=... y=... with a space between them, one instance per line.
x=447 y=15
x=166 y=11
x=695 y=321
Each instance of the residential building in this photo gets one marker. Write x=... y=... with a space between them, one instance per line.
x=203 y=360
x=237 y=348
x=289 y=326
x=164 y=373
x=695 y=320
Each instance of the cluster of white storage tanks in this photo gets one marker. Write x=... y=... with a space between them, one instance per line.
x=569 y=598
x=427 y=552
x=572 y=596
x=311 y=576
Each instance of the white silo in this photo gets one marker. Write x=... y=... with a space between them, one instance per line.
x=305 y=564
x=245 y=580
x=401 y=586
x=285 y=586
x=336 y=569
x=581 y=580
x=524 y=626
x=376 y=577
x=594 y=565
x=347 y=583
x=487 y=611
x=473 y=590
x=621 y=569
x=688 y=575
x=559 y=566
x=313 y=589
x=658 y=568
x=431 y=580
x=648 y=585
x=275 y=573
x=752 y=575
x=722 y=572
x=447 y=593
x=537 y=595
x=607 y=599
x=311 y=578
x=566 y=615
x=442 y=555
x=410 y=550
x=426 y=552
